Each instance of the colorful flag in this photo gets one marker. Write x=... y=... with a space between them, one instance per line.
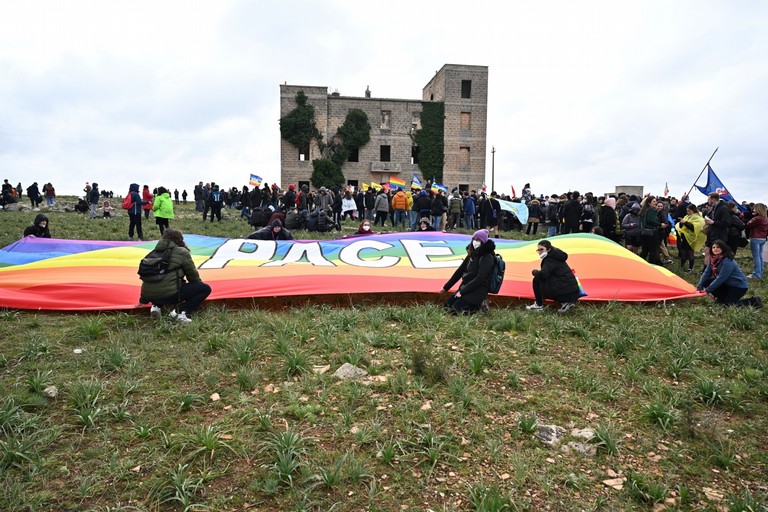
x=255 y=181
x=514 y=194
x=666 y=189
x=715 y=185
x=439 y=186
x=366 y=187
x=484 y=187
x=52 y=274
x=375 y=186
x=416 y=183
x=396 y=182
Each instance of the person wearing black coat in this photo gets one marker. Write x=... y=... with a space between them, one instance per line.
x=571 y=214
x=475 y=274
x=555 y=280
x=275 y=231
x=39 y=228
x=718 y=220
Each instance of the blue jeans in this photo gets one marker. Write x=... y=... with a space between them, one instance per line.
x=551 y=231
x=469 y=221
x=400 y=218
x=436 y=222
x=756 y=244
x=49 y=200
x=413 y=218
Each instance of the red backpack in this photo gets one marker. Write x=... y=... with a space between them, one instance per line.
x=127 y=202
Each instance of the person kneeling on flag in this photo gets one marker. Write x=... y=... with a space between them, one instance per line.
x=475 y=274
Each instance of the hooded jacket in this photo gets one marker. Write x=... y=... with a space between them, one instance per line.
x=475 y=273
x=266 y=233
x=163 y=206
x=556 y=277
x=36 y=230
x=181 y=266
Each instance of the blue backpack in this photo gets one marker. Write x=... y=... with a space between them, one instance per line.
x=497 y=274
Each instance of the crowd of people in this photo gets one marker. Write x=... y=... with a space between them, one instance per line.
x=645 y=225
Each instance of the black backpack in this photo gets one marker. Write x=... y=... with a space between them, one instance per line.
x=497 y=274
x=313 y=220
x=154 y=266
x=259 y=217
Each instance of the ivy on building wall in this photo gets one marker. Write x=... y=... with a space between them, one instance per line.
x=298 y=127
x=429 y=139
x=352 y=135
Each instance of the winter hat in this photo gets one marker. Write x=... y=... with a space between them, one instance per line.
x=481 y=234
x=291 y=186
x=423 y=193
x=277 y=224
x=134 y=187
x=635 y=206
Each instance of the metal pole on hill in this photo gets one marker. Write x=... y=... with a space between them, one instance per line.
x=493 y=168
x=702 y=172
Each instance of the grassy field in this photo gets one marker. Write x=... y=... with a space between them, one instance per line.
x=240 y=410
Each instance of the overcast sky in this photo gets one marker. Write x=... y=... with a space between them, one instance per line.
x=583 y=95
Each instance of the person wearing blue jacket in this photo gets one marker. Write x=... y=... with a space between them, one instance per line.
x=134 y=212
x=723 y=280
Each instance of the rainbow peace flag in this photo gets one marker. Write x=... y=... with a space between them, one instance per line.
x=416 y=183
x=396 y=182
x=439 y=186
x=80 y=275
x=255 y=181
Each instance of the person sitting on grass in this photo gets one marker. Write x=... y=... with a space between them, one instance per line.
x=425 y=225
x=555 y=280
x=274 y=231
x=475 y=274
x=723 y=280
x=39 y=228
x=181 y=285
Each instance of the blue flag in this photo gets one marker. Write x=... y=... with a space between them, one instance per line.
x=715 y=185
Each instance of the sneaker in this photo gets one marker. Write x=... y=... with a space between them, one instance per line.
x=183 y=319
x=565 y=306
x=757 y=302
x=485 y=308
x=750 y=276
x=534 y=307
x=155 y=311
x=667 y=262
x=689 y=271
x=173 y=314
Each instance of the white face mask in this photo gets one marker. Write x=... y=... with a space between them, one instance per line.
x=366 y=228
x=542 y=255
x=476 y=244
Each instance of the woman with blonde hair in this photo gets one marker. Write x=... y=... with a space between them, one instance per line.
x=758 y=230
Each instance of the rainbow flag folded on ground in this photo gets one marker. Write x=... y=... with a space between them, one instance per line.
x=255 y=181
x=396 y=182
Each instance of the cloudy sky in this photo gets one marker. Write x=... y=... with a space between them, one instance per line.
x=583 y=95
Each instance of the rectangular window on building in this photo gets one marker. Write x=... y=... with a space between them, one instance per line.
x=464 y=158
x=466 y=120
x=352 y=183
x=385 y=120
x=385 y=153
x=415 y=155
x=466 y=88
x=304 y=153
x=354 y=155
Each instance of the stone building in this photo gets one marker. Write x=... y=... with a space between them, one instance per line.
x=391 y=152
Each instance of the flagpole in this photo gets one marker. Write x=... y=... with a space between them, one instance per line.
x=702 y=172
